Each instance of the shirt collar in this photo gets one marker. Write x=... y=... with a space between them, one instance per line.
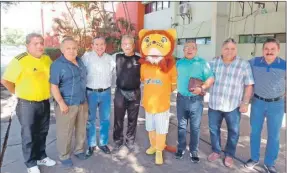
x=235 y=59
x=276 y=60
x=193 y=59
x=95 y=53
x=63 y=59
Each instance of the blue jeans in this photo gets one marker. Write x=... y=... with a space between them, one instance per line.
x=189 y=108
x=101 y=100
x=274 y=112
x=232 y=120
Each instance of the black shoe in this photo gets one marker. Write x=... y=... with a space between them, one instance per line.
x=250 y=164
x=130 y=146
x=194 y=157
x=82 y=156
x=105 y=149
x=90 y=151
x=270 y=169
x=179 y=154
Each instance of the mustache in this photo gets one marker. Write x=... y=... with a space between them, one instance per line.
x=269 y=54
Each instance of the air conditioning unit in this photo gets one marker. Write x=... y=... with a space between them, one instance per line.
x=185 y=9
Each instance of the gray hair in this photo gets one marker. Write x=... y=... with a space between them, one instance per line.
x=129 y=37
x=190 y=41
x=67 y=39
x=33 y=35
x=272 y=40
x=229 y=40
x=99 y=37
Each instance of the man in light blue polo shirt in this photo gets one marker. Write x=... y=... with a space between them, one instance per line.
x=269 y=73
x=190 y=104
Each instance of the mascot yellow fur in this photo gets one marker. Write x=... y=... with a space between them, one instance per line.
x=158 y=73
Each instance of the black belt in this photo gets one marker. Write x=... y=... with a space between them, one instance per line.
x=268 y=100
x=98 y=90
x=30 y=101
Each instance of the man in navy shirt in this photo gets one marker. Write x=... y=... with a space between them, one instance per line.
x=68 y=86
x=269 y=73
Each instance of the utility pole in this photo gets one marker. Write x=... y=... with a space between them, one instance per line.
x=42 y=19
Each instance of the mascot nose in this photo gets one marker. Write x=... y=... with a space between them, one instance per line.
x=153 y=42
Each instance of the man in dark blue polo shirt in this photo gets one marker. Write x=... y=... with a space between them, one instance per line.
x=269 y=74
x=68 y=86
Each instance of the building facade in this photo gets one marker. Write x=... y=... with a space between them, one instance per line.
x=210 y=23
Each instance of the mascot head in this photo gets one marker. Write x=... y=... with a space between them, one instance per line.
x=156 y=47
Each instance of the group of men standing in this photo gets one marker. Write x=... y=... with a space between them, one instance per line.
x=81 y=87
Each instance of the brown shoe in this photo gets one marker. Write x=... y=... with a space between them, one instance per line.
x=213 y=156
x=228 y=162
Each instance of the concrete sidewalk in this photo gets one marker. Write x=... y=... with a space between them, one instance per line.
x=138 y=161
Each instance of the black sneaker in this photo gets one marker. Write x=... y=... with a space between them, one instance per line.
x=105 y=149
x=179 y=154
x=194 y=157
x=250 y=164
x=270 y=169
x=90 y=151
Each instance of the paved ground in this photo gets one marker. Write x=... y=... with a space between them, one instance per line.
x=138 y=161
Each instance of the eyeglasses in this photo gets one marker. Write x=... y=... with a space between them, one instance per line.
x=189 y=48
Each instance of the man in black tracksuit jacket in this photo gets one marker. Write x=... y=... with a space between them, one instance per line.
x=127 y=95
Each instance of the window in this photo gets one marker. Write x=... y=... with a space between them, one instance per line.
x=166 y=4
x=200 y=40
x=208 y=40
x=153 y=4
x=156 y=6
x=148 y=8
x=281 y=37
x=246 y=39
x=181 y=41
x=261 y=38
x=183 y=2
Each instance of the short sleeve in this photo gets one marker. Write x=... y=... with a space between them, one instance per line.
x=248 y=75
x=13 y=71
x=55 y=74
x=207 y=72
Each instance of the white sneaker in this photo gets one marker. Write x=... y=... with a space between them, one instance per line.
x=46 y=162
x=33 y=169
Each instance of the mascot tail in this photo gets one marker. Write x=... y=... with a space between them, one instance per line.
x=170 y=148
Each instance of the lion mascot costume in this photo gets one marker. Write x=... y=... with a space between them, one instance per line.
x=158 y=74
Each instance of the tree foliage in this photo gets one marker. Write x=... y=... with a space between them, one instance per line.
x=12 y=36
x=5 y=5
x=96 y=22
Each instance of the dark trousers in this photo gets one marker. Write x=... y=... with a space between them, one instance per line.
x=34 y=118
x=121 y=105
x=189 y=108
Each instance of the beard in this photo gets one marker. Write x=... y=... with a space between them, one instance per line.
x=154 y=60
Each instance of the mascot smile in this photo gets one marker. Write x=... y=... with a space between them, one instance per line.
x=158 y=73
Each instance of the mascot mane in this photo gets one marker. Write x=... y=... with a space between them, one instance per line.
x=154 y=35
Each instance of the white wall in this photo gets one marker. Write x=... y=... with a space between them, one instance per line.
x=200 y=25
x=158 y=20
x=209 y=15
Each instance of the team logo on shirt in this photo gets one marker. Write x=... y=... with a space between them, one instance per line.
x=153 y=81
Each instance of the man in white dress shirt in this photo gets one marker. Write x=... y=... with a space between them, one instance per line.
x=100 y=67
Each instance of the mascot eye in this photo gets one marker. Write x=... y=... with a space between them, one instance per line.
x=163 y=39
x=146 y=39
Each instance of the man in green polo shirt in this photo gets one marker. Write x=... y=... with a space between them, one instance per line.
x=190 y=104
